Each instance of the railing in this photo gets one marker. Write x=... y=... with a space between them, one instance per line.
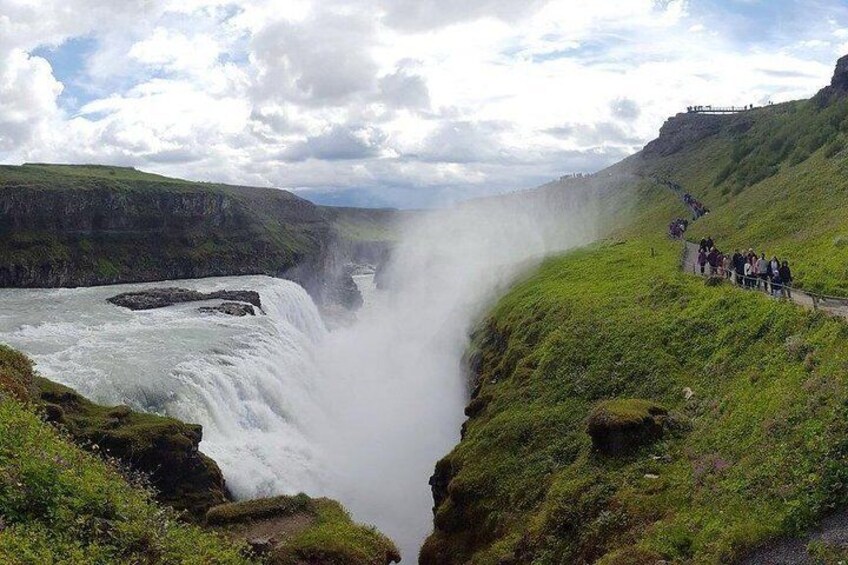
x=835 y=304
x=718 y=109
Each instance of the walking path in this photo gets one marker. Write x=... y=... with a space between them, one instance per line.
x=830 y=304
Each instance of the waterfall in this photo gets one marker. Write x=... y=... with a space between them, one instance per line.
x=249 y=381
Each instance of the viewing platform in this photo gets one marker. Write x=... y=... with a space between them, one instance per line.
x=718 y=109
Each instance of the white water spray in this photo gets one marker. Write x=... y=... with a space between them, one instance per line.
x=393 y=384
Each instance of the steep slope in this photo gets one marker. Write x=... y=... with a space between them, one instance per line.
x=90 y=225
x=624 y=412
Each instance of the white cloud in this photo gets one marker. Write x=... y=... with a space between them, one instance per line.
x=28 y=95
x=411 y=101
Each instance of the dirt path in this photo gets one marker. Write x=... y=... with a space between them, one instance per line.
x=834 y=306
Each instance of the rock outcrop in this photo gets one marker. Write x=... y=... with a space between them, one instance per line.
x=299 y=529
x=162 y=297
x=838 y=87
x=165 y=449
x=230 y=309
x=621 y=426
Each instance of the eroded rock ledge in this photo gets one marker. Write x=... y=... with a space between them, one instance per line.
x=162 y=297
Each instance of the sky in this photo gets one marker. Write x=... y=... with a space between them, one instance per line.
x=401 y=103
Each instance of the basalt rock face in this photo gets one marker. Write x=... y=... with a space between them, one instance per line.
x=838 y=87
x=163 y=448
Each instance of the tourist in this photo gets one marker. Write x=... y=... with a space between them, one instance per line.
x=727 y=264
x=755 y=273
x=786 y=277
x=776 y=283
x=712 y=259
x=702 y=260
x=747 y=273
x=703 y=245
x=710 y=242
x=762 y=269
x=739 y=267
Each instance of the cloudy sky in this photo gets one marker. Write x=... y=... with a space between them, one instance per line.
x=388 y=102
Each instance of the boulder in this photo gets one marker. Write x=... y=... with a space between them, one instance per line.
x=230 y=309
x=162 y=297
x=621 y=426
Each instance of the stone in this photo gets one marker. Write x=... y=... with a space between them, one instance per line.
x=230 y=309
x=838 y=87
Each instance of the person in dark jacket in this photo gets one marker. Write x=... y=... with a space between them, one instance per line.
x=710 y=243
x=703 y=245
x=786 y=278
x=702 y=260
x=739 y=266
x=712 y=259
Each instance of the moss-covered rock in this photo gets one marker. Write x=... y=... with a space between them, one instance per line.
x=299 y=530
x=623 y=425
x=163 y=448
x=259 y=509
x=61 y=504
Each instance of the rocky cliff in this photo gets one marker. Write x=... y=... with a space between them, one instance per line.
x=64 y=226
x=838 y=87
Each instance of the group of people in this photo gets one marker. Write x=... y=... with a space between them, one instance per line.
x=677 y=228
x=697 y=207
x=747 y=269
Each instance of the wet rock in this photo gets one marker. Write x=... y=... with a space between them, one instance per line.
x=230 y=309
x=162 y=297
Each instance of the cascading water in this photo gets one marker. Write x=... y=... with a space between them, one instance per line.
x=249 y=381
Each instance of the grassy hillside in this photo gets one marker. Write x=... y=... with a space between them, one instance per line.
x=759 y=450
x=627 y=413
x=775 y=179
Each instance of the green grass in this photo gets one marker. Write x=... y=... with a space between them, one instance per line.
x=760 y=450
x=328 y=537
x=60 y=504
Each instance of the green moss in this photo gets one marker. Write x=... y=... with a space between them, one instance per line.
x=259 y=509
